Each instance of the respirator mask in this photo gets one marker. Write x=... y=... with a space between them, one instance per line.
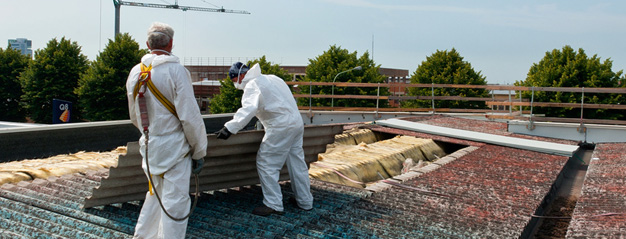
x=235 y=71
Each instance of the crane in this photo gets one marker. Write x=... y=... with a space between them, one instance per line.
x=118 y=4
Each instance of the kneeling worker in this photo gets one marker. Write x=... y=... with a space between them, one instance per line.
x=269 y=99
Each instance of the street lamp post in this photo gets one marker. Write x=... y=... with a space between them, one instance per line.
x=332 y=100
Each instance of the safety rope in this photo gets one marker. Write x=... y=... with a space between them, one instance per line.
x=145 y=123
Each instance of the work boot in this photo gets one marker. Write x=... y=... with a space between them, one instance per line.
x=294 y=202
x=265 y=210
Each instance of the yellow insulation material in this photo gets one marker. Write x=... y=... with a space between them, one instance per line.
x=81 y=162
x=351 y=159
x=329 y=175
x=13 y=177
x=364 y=162
x=350 y=138
x=344 y=139
x=363 y=136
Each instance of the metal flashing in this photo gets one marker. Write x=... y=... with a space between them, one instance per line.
x=591 y=133
x=527 y=144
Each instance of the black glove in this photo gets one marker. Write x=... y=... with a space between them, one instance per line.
x=196 y=165
x=223 y=133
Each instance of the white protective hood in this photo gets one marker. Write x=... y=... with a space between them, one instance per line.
x=254 y=72
x=156 y=60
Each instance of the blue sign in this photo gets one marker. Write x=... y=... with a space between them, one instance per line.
x=61 y=111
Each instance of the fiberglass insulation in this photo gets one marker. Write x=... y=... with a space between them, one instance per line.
x=81 y=162
x=368 y=162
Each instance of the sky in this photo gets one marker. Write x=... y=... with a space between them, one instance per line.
x=500 y=39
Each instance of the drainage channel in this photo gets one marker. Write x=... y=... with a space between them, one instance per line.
x=557 y=207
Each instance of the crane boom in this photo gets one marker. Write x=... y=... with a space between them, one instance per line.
x=118 y=4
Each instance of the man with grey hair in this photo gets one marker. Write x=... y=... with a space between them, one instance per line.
x=162 y=106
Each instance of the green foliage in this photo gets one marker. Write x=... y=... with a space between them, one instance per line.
x=53 y=74
x=229 y=99
x=568 y=68
x=446 y=67
x=326 y=67
x=12 y=63
x=270 y=69
x=102 y=89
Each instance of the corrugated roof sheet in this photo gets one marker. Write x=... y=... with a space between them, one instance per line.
x=52 y=209
x=229 y=163
x=489 y=192
x=601 y=209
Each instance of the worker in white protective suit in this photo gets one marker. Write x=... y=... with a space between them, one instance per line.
x=177 y=135
x=269 y=99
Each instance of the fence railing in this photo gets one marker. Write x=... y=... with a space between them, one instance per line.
x=515 y=100
x=215 y=61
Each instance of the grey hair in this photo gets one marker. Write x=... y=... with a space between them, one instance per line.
x=159 y=35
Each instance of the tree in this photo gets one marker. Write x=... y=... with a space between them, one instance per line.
x=102 y=89
x=325 y=67
x=446 y=67
x=229 y=99
x=570 y=68
x=53 y=74
x=12 y=63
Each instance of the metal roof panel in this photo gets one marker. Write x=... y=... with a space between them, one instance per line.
x=533 y=145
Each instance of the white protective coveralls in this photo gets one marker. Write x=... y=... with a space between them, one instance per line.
x=269 y=99
x=173 y=143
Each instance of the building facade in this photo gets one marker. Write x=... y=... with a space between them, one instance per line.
x=206 y=80
x=23 y=45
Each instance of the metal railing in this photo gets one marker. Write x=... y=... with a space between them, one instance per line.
x=515 y=100
x=215 y=61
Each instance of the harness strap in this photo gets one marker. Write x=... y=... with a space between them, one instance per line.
x=145 y=77
x=139 y=94
x=150 y=183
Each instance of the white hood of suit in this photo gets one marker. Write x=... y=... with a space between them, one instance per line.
x=254 y=72
x=156 y=60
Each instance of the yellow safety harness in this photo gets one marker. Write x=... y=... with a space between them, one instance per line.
x=145 y=78
x=139 y=91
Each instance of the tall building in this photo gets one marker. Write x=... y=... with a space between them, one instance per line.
x=22 y=44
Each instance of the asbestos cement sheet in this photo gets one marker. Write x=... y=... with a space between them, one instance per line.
x=527 y=144
x=228 y=164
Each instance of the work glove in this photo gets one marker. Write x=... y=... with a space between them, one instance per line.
x=223 y=133
x=196 y=165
